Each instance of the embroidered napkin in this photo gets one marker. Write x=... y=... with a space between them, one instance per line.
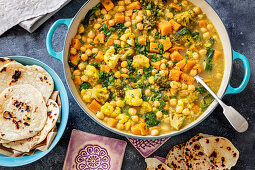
x=30 y=14
x=89 y=151
x=147 y=147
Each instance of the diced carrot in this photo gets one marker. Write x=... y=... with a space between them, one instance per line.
x=216 y=55
x=105 y=68
x=99 y=38
x=176 y=56
x=142 y=39
x=167 y=106
x=77 y=80
x=166 y=55
x=189 y=65
x=207 y=80
x=94 y=106
x=88 y=46
x=99 y=86
x=202 y=23
x=129 y=13
x=193 y=48
x=165 y=28
x=198 y=67
x=176 y=26
x=100 y=56
x=152 y=128
x=156 y=64
x=185 y=78
x=108 y=5
x=136 y=129
x=175 y=6
x=74 y=59
x=174 y=75
x=112 y=122
x=195 y=108
x=143 y=130
x=154 y=48
x=166 y=43
x=76 y=44
x=181 y=64
x=119 y=18
x=176 y=48
x=134 y=5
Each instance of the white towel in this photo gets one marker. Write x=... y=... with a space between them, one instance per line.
x=29 y=14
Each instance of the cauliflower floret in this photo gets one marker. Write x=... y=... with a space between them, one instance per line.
x=86 y=95
x=133 y=97
x=146 y=107
x=124 y=37
x=140 y=61
x=128 y=53
x=122 y=118
x=107 y=109
x=185 y=18
x=116 y=112
x=100 y=94
x=176 y=121
x=92 y=73
x=110 y=59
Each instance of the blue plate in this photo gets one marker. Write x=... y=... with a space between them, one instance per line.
x=59 y=86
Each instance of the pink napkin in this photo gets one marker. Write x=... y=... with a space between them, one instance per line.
x=147 y=147
x=89 y=151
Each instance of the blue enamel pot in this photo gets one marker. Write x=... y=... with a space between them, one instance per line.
x=59 y=86
x=225 y=87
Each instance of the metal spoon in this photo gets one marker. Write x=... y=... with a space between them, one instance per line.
x=238 y=122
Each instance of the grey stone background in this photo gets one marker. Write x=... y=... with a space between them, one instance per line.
x=239 y=19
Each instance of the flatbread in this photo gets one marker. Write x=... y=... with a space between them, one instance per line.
x=26 y=145
x=155 y=164
x=23 y=112
x=175 y=157
x=4 y=61
x=194 y=155
x=221 y=152
x=4 y=141
x=15 y=73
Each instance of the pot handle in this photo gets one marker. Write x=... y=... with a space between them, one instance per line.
x=247 y=73
x=57 y=55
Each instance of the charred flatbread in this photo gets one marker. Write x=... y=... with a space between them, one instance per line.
x=4 y=61
x=155 y=164
x=175 y=157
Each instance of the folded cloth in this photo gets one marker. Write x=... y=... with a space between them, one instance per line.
x=29 y=13
x=147 y=147
x=89 y=151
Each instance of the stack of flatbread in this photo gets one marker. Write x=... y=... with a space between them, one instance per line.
x=27 y=115
x=202 y=152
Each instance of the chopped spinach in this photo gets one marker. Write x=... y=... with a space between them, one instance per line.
x=201 y=90
x=85 y=85
x=209 y=54
x=151 y=119
x=206 y=101
x=90 y=13
x=212 y=41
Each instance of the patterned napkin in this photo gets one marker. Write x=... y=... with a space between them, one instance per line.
x=147 y=147
x=89 y=151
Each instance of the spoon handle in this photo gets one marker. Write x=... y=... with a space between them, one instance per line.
x=238 y=122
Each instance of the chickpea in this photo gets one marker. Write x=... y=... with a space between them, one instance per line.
x=113 y=103
x=117 y=74
x=191 y=87
x=163 y=66
x=151 y=80
x=154 y=71
x=193 y=72
x=121 y=3
x=121 y=9
x=103 y=11
x=120 y=103
x=173 y=102
x=174 y=84
x=117 y=42
x=84 y=57
x=107 y=16
x=83 y=49
x=140 y=26
x=91 y=34
x=218 y=75
x=89 y=40
x=120 y=126
x=179 y=109
x=156 y=103
x=78 y=36
x=170 y=64
x=180 y=103
x=94 y=50
x=76 y=72
x=124 y=70
x=186 y=111
x=89 y=52
x=162 y=72
x=147 y=92
x=184 y=3
x=200 y=16
x=127 y=19
x=83 y=38
x=84 y=78
x=170 y=15
x=123 y=43
x=139 y=19
x=197 y=10
x=81 y=29
x=81 y=66
x=203 y=29
x=73 y=51
x=202 y=52
x=155 y=132
x=97 y=26
x=128 y=31
x=206 y=35
x=127 y=2
x=154 y=109
x=140 y=71
x=184 y=86
x=132 y=111
x=135 y=118
x=125 y=76
x=124 y=64
x=152 y=39
x=173 y=91
x=209 y=26
x=195 y=55
x=159 y=114
x=127 y=24
x=100 y=115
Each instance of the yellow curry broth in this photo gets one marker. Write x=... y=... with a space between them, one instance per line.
x=134 y=62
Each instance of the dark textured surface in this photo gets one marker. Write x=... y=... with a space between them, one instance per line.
x=238 y=17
